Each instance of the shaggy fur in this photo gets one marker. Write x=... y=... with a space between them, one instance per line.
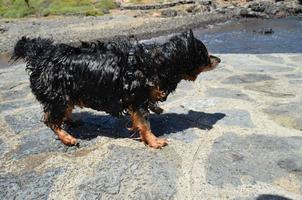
x=109 y=76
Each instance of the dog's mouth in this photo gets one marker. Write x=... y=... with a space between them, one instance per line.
x=213 y=63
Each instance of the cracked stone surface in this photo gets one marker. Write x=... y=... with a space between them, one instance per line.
x=235 y=133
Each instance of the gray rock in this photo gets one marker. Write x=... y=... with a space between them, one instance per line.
x=174 y=123
x=179 y=94
x=270 y=197
x=199 y=104
x=247 y=78
x=3 y=147
x=186 y=136
x=237 y=117
x=258 y=6
x=256 y=157
x=7 y=106
x=227 y=93
x=132 y=174
x=286 y=114
x=15 y=93
x=30 y=185
x=295 y=82
x=169 y=13
x=38 y=142
x=185 y=85
x=243 y=12
x=27 y=119
x=264 y=31
x=205 y=2
x=294 y=76
x=297 y=59
x=265 y=68
x=268 y=89
x=270 y=58
x=3 y=29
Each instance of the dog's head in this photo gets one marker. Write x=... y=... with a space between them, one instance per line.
x=200 y=60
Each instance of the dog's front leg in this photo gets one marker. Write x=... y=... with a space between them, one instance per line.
x=142 y=125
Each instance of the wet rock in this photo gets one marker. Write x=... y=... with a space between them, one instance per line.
x=169 y=13
x=153 y=173
x=237 y=117
x=265 y=159
x=247 y=78
x=30 y=185
x=286 y=114
x=227 y=93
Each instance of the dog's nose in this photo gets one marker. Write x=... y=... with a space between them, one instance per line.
x=214 y=58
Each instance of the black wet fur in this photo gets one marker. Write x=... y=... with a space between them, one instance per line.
x=107 y=76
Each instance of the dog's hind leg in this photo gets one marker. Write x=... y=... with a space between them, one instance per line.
x=141 y=124
x=68 y=114
x=65 y=137
x=68 y=117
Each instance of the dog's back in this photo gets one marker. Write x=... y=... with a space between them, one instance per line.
x=97 y=74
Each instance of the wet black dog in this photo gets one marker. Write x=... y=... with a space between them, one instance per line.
x=117 y=77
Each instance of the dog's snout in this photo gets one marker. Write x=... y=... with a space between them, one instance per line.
x=214 y=59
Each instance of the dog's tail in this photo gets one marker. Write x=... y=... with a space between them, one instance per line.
x=28 y=49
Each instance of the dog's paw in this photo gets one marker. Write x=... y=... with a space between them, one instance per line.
x=69 y=140
x=157 y=143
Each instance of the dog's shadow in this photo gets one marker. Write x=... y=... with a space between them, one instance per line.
x=92 y=125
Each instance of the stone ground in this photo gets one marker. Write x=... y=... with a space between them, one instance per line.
x=235 y=133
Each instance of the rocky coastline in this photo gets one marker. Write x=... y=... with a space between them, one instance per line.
x=141 y=20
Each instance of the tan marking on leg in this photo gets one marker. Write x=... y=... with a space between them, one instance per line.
x=139 y=123
x=156 y=94
x=81 y=103
x=68 y=114
x=65 y=138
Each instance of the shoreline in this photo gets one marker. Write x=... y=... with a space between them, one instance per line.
x=103 y=28
x=136 y=23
